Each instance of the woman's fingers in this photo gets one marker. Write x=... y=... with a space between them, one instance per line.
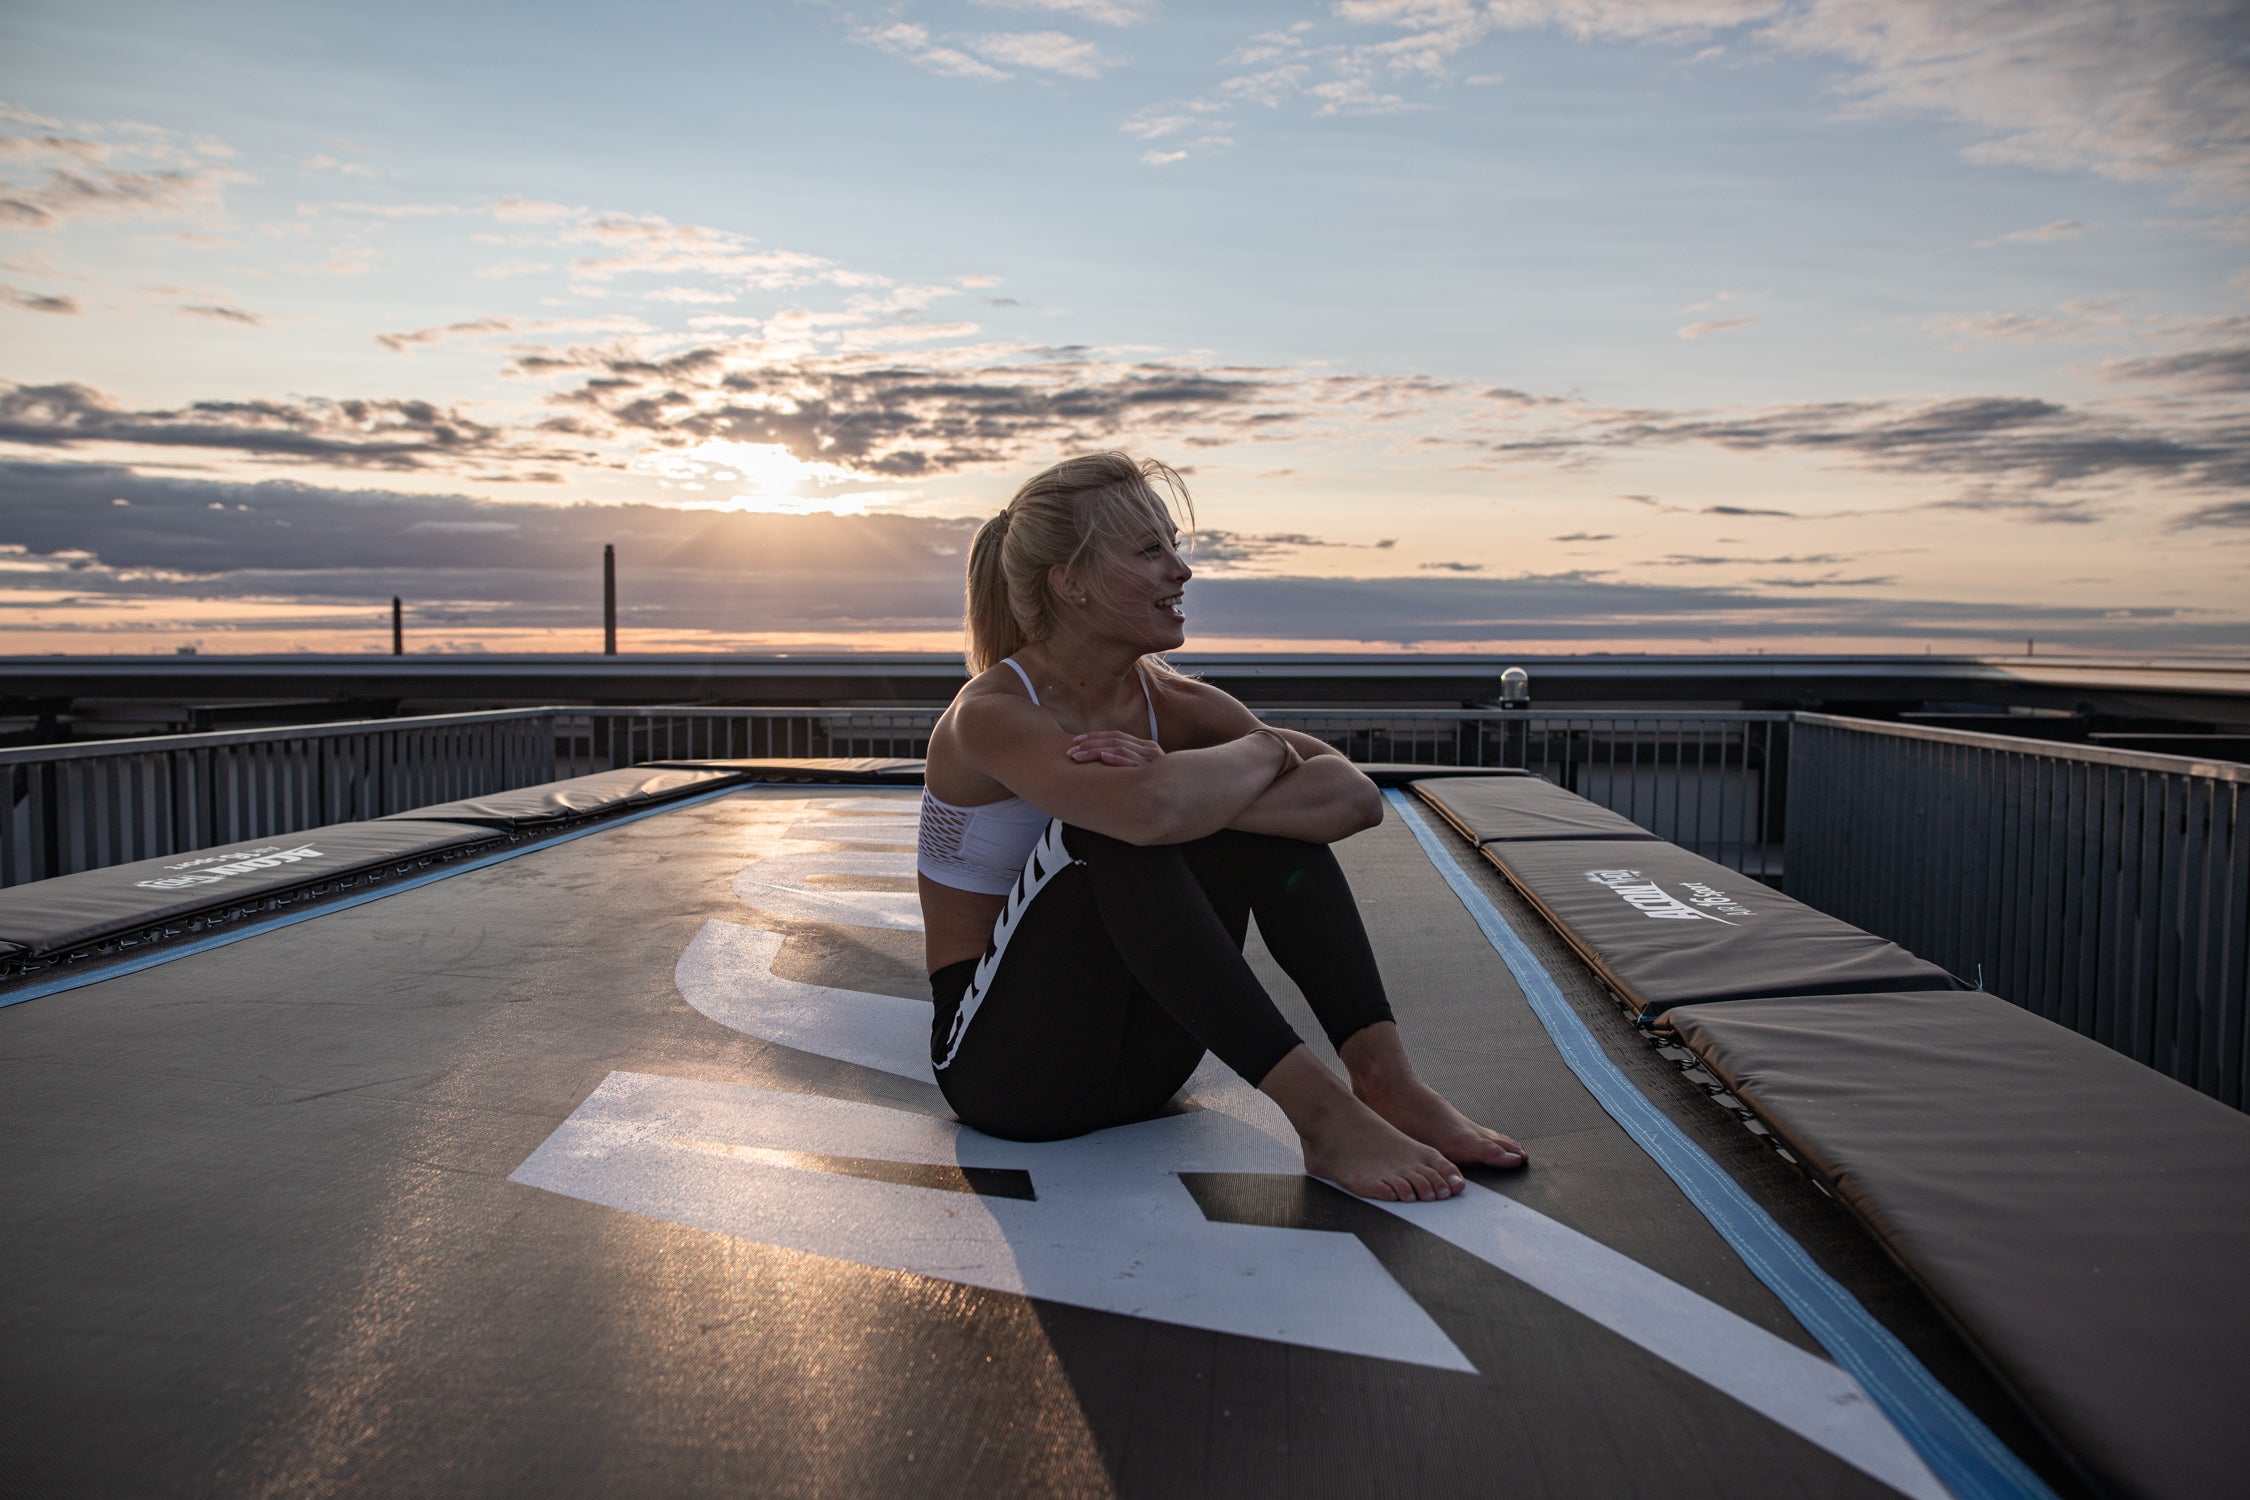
x=1114 y=747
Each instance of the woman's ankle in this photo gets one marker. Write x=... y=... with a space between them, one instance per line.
x=1375 y=1057
x=1307 y=1090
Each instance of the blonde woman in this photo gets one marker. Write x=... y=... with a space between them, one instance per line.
x=1097 y=831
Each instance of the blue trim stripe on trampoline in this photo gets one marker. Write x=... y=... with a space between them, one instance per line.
x=264 y=925
x=1964 y=1455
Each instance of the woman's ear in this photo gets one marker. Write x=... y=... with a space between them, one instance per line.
x=1066 y=588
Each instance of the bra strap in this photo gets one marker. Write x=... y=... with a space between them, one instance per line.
x=1027 y=687
x=1138 y=672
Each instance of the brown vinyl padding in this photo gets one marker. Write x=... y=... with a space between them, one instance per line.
x=2083 y=1219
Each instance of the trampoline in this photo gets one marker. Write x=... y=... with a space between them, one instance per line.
x=596 y=1149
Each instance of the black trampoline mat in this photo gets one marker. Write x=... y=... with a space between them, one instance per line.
x=610 y=1167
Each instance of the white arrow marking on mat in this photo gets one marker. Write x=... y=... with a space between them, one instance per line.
x=727 y=973
x=777 y=884
x=1112 y=1227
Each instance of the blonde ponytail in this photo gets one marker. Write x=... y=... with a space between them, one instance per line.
x=990 y=624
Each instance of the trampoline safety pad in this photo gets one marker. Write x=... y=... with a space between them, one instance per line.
x=619 y=1165
x=2083 y=1218
x=70 y=911
x=1522 y=807
x=1666 y=927
x=579 y=797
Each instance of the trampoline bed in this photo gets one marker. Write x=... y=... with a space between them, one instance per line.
x=612 y=1161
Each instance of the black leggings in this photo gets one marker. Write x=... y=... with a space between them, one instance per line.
x=1114 y=966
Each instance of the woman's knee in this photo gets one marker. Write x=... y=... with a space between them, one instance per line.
x=1017 y=1109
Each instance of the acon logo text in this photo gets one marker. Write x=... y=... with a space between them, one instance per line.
x=249 y=864
x=1644 y=895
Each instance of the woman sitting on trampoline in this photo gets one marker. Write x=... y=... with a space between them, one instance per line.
x=1096 y=833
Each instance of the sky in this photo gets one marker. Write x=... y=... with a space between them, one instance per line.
x=1475 y=325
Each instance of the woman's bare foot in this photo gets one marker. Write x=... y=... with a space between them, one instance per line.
x=1385 y=1081
x=1349 y=1144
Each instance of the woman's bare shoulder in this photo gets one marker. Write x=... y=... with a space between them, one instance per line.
x=991 y=688
x=991 y=704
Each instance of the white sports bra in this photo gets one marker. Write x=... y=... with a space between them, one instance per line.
x=983 y=848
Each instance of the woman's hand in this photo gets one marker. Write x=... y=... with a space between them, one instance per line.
x=1114 y=747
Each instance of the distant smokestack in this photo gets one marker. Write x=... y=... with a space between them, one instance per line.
x=609 y=600
x=398 y=627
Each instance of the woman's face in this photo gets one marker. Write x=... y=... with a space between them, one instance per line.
x=1138 y=596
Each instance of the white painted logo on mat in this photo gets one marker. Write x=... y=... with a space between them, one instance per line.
x=218 y=867
x=1702 y=903
x=1111 y=1226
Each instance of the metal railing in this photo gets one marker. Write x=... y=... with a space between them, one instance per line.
x=1709 y=781
x=2107 y=890
x=595 y=739
x=83 y=806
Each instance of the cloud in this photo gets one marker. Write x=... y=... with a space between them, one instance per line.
x=1100 y=12
x=379 y=434
x=1450 y=567
x=2138 y=90
x=1721 y=299
x=219 y=312
x=41 y=147
x=2127 y=89
x=912 y=42
x=2021 y=441
x=467 y=567
x=1217 y=549
x=880 y=415
x=352 y=261
x=2227 y=513
x=1047 y=51
x=400 y=343
x=496 y=327
x=324 y=162
x=1572 y=607
x=1163 y=158
x=2034 y=509
x=650 y=245
x=1586 y=536
x=1695 y=560
x=2045 y=234
x=120 y=170
x=393 y=210
x=2217 y=372
x=112 y=193
x=1709 y=326
x=2089 y=318
x=44 y=302
x=533 y=211
x=1745 y=510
